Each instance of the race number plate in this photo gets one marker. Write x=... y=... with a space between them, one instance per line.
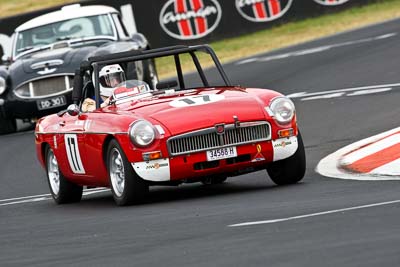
x=221 y=153
x=51 y=102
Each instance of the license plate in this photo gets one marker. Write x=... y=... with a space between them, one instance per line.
x=51 y=102
x=221 y=153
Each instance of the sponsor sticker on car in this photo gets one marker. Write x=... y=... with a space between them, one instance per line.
x=197 y=100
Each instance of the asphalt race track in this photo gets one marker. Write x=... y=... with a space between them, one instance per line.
x=321 y=221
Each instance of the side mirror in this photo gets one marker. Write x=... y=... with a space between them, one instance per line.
x=140 y=39
x=73 y=110
x=6 y=60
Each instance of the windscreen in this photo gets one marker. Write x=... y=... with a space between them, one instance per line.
x=45 y=35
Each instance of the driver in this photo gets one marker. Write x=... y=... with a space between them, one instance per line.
x=109 y=77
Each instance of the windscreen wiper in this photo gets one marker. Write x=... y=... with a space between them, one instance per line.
x=32 y=49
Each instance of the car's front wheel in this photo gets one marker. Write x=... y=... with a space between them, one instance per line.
x=290 y=170
x=126 y=186
x=62 y=190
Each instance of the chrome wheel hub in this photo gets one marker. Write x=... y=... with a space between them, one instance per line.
x=153 y=76
x=139 y=70
x=117 y=173
x=53 y=173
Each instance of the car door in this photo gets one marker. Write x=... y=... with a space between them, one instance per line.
x=96 y=130
x=71 y=142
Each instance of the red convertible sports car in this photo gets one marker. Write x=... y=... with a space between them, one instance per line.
x=191 y=128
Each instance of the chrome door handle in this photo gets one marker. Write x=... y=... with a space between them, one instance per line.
x=61 y=123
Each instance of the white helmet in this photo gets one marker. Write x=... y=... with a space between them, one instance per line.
x=109 y=77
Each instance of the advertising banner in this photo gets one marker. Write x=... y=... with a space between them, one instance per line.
x=170 y=22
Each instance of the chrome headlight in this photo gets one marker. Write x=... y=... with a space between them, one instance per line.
x=282 y=109
x=2 y=85
x=142 y=133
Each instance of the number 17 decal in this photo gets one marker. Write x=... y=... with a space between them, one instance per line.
x=196 y=100
x=73 y=154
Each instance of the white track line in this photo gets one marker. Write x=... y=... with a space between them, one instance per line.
x=43 y=197
x=314 y=214
x=21 y=198
x=313 y=50
x=370 y=91
x=305 y=94
x=26 y=201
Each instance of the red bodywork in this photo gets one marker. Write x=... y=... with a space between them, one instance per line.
x=94 y=130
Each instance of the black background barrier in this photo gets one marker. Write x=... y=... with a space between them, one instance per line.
x=169 y=22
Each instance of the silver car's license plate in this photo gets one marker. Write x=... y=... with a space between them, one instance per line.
x=51 y=102
x=221 y=153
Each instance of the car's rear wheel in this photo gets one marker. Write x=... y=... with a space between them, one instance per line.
x=290 y=170
x=126 y=186
x=62 y=190
x=7 y=125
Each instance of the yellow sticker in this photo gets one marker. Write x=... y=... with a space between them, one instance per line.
x=258 y=148
x=259 y=156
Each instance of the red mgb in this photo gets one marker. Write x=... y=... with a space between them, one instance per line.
x=193 y=127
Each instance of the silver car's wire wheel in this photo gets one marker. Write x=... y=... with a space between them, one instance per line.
x=139 y=70
x=117 y=172
x=53 y=172
x=153 y=76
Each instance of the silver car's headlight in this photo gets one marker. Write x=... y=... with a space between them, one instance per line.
x=2 y=85
x=282 y=109
x=142 y=133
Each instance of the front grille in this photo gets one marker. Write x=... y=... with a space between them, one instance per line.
x=207 y=139
x=45 y=87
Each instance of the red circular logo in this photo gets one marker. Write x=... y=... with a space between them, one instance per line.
x=220 y=129
x=263 y=10
x=190 y=19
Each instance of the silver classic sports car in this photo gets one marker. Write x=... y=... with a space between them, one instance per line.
x=37 y=79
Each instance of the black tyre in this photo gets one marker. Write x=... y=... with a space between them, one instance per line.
x=126 y=186
x=7 y=125
x=62 y=190
x=290 y=170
